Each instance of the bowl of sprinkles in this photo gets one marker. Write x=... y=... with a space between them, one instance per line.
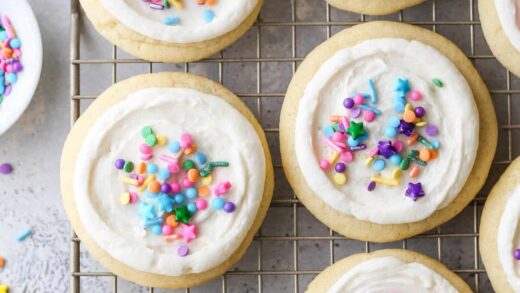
x=170 y=189
x=407 y=145
x=20 y=60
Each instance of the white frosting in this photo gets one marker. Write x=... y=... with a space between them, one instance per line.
x=509 y=20
x=391 y=275
x=117 y=228
x=138 y=16
x=451 y=108
x=508 y=238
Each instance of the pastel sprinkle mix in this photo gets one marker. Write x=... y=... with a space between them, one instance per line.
x=23 y=235
x=171 y=187
x=402 y=148
x=207 y=15
x=10 y=64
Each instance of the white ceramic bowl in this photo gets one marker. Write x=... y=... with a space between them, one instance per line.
x=27 y=30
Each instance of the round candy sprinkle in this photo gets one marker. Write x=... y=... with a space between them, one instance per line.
x=399 y=107
x=395 y=159
x=431 y=130
x=124 y=198
x=425 y=154
x=170 y=220
x=324 y=164
x=348 y=103
x=179 y=198
x=397 y=174
x=187 y=165
x=347 y=157
x=202 y=204
x=6 y=168
x=516 y=254
x=337 y=136
x=379 y=165
x=201 y=158
x=419 y=112
x=340 y=167
x=152 y=168
x=340 y=178
x=166 y=188
x=415 y=95
x=150 y=140
x=164 y=174
x=207 y=180
x=154 y=186
x=217 y=203
x=167 y=230
x=353 y=142
x=191 y=193
x=161 y=140
x=2 y=262
x=390 y=132
x=176 y=187
x=192 y=207
x=229 y=207
x=358 y=99
x=193 y=175
x=208 y=15
x=183 y=250
x=128 y=167
x=371 y=185
x=174 y=147
x=145 y=149
x=369 y=116
x=354 y=112
x=120 y=164
x=328 y=131
x=147 y=130
x=409 y=116
x=393 y=121
x=156 y=229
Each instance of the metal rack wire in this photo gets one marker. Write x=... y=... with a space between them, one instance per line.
x=474 y=273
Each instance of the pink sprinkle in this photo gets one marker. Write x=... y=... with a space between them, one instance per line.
x=415 y=96
x=397 y=144
x=222 y=188
x=174 y=168
x=202 y=204
x=330 y=143
x=347 y=156
x=167 y=230
x=168 y=159
x=146 y=157
x=374 y=152
x=369 y=116
x=176 y=187
x=133 y=197
x=345 y=122
x=324 y=164
x=187 y=183
x=144 y=149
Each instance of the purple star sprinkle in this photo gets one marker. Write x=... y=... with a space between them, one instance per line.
x=406 y=128
x=386 y=149
x=414 y=191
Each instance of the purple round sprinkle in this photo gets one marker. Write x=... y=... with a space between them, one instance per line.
x=419 y=112
x=431 y=130
x=6 y=168
x=517 y=254
x=17 y=67
x=371 y=185
x=229 y=207
x=340 y=167
x=120 y=163
x=354 y=112
x=183 y=250
x=348 y=103
x=8 y=90
x=166 y=188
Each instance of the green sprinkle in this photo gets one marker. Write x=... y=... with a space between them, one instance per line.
x=150 y=140
x=425 y=142
x=128 y=167
x=147 y=130
x=437 y=82
x=405 y=164
x=413 y=153
x=188 y=164
x=219 y=164
x=335 y=127
x=166 y=4
x=182 y=214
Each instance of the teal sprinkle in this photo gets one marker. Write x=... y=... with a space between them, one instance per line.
x=437 y=83
x=22 y=236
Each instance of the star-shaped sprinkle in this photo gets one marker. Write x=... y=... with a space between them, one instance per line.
x=165 y=203
x=402 y=86
x=182 y=214
x=188 y=232
x=386 y=149
x=356 y=129
x=147 y=210
x=405 y=127
x=414 y=191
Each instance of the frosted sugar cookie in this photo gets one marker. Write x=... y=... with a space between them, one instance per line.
x=158 y=187
x=386 y=131
x=374 y=7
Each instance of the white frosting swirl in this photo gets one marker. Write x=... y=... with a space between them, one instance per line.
x=117 y=228
x=507 y=11
x=138 y=16
x=508 y=238
x=391 y=275
x=451 y=108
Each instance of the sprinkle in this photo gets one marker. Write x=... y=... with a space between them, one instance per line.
x=183 y=250
x=4 y=288
x=373 y=93
x=397 y=174
x=414 y=171
x=6 y=168
x=124 y=198
x=437 y=83
x=379 y=165
x=208 y=15
x=129 y=180
x=371 y=186
x=340 y=178
x=414 y=191
x=334 y=157
x=355 y=129
x=381 y=180
x=425 y=142
x=431 y=130
x=22 y=236
x=334 y=146
x=370 y=108
x=2 y=262
x=369 y=161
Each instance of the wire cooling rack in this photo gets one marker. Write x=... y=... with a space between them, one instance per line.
x=292 y=246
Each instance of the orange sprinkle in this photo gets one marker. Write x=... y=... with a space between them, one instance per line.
x=141 y=168
x=414 y=171
x=211 y=2
x=193 y=175
x=2 y=262
x=204 y=191
x=190 y=150
x=425 y=155
x=335 y=118
x=434 y=154
x=409 y=116
x=412 y=139
x=170 y=220
x=154 y=186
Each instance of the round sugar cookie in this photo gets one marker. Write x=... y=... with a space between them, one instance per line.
x=386 y=131
x=500 y=24
x=158 y=186
x=374 y=7
x=388 y=270
x=500 y=231
x=180 y=31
